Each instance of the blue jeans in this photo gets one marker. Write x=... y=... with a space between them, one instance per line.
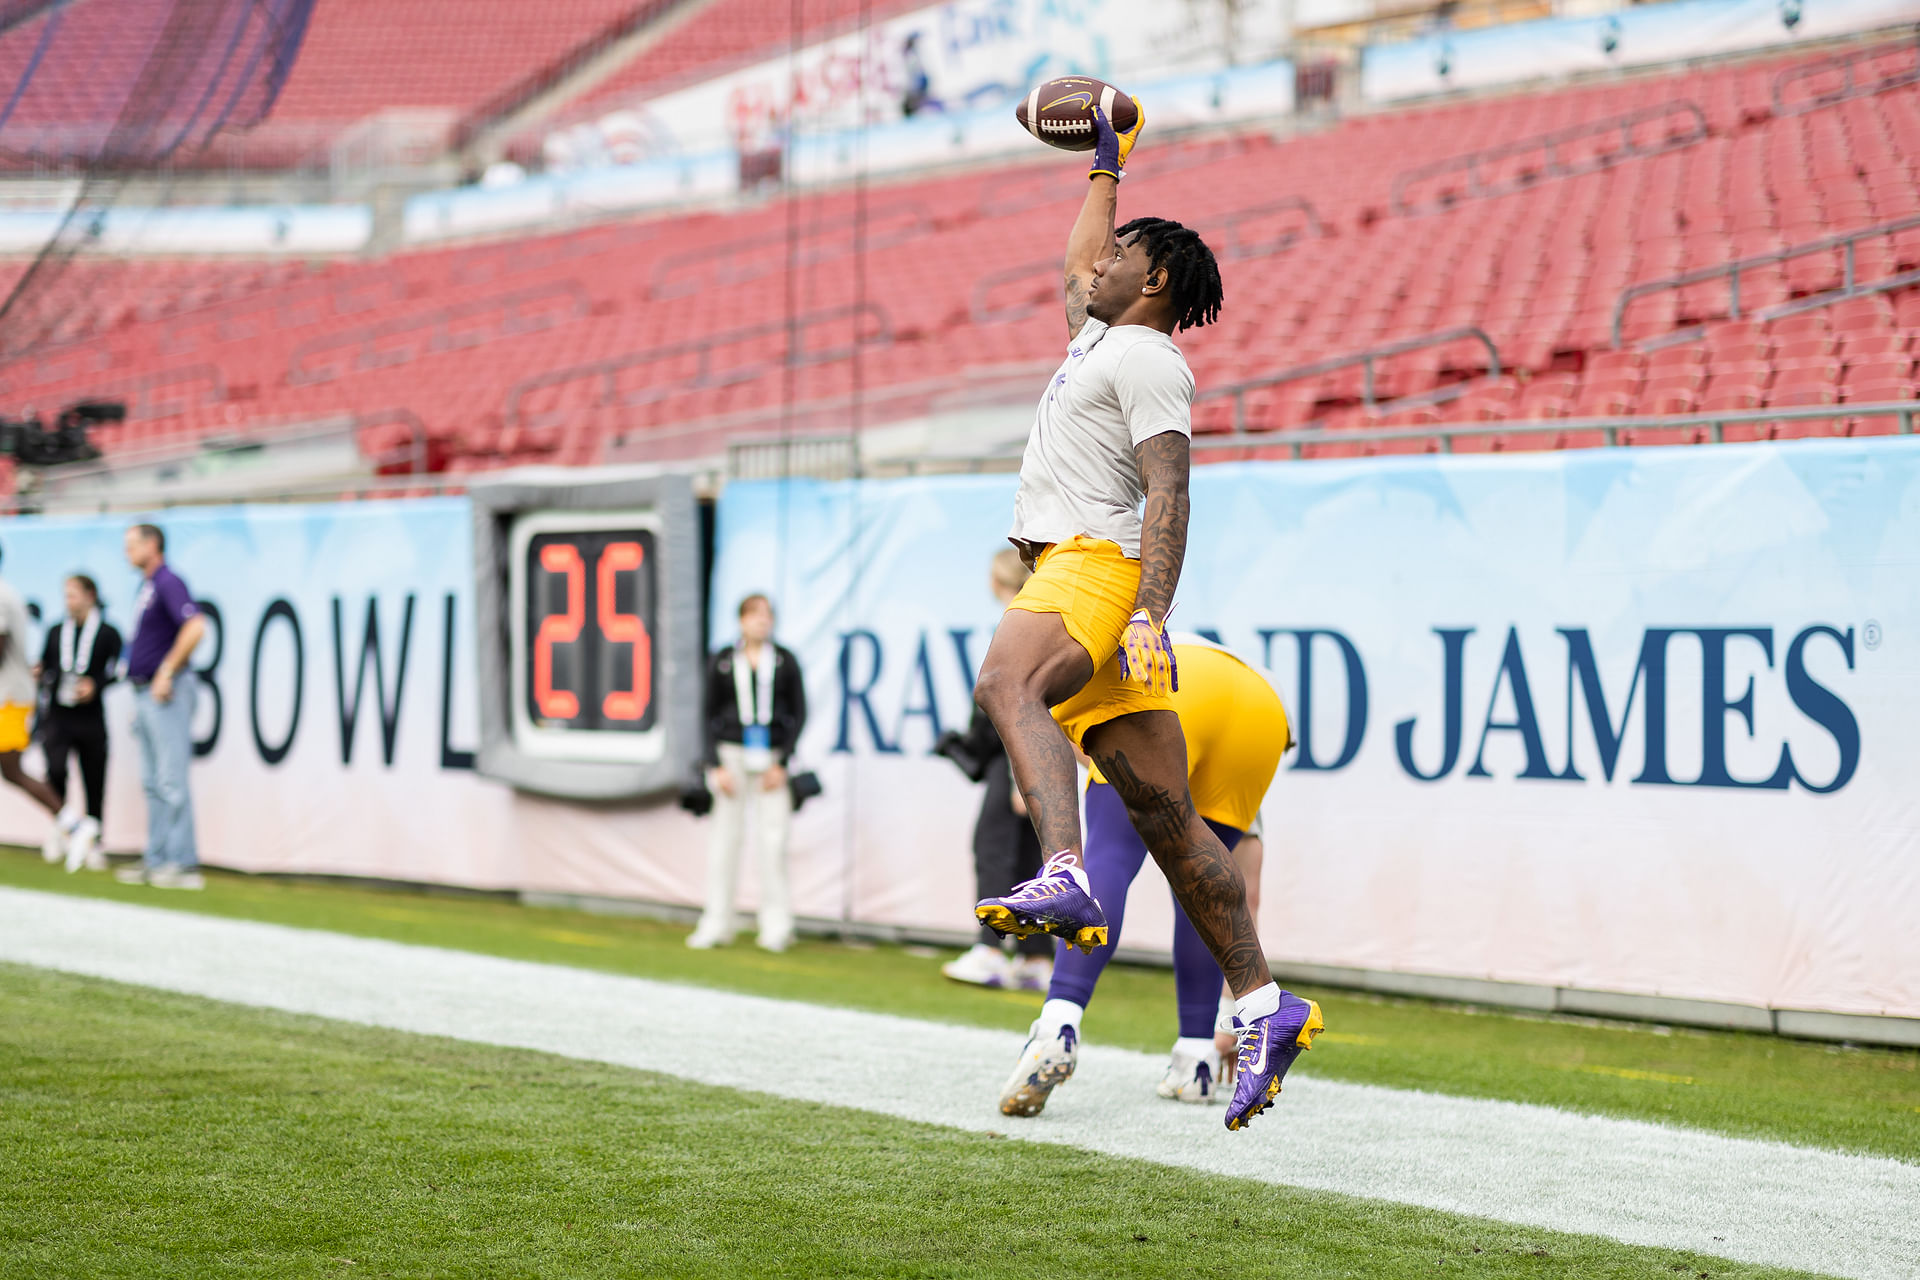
x=165 y=734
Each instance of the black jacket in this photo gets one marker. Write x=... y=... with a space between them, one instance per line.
x=100 y=668
x=721 y=705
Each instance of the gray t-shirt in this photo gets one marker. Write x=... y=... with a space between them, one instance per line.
x=16 y=664
x=1117 y=388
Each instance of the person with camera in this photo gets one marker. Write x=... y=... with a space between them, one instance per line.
x=755 y=706
x=1005 y=849
x=77 y=663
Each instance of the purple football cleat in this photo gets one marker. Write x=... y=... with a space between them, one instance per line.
x=1053 y=902
x=1267 y=1048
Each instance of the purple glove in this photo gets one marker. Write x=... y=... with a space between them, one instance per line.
x=1111 y=149
x=1106 y=151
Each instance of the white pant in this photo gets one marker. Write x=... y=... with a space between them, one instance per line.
x=768 y=813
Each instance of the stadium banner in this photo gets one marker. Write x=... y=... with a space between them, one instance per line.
x=945 y=60
x=338 y=711
x=1625 y=720
x=1646 y=35
x=1621 y=720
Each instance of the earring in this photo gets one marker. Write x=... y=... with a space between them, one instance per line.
x=1143 y=291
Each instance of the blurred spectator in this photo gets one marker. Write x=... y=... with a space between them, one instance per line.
x=166 y=626
x=16 y=704
x=1005 y=849
x=77 y=663
x=755 y=707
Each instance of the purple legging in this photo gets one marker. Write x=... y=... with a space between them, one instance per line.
x=1115 y=854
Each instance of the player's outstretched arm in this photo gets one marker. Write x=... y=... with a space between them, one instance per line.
x=1164 y=462
x=1090 y=241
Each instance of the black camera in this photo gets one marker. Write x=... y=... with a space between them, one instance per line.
x=953 y=745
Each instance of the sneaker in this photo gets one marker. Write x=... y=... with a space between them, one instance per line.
x=1268 y=1047
x=135 y=874
x=775 y=942
x=980 y=965
x=1032 y=973
x=1045 y=1063
x=176 y=878
x=83 y=844
x=59 y=836
x=1056 y=901
x=704 y=938
x=1191 y=1078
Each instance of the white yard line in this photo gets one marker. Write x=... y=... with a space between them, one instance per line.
x=1641 y=1183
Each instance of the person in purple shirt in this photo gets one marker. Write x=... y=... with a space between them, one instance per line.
x=167 y=625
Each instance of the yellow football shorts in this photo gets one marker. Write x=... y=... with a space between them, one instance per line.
x=13 y=727
x=1236 y=730
x=1092 y=585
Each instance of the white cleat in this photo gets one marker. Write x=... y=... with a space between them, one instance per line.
x=705 y=939
x=1045 y=1064
x=83 y=846
x=980 y=965
x=1191 y=1078
x=59 y=836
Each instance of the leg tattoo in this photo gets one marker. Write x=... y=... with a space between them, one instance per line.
x=1043 y=769
x=1204 y=876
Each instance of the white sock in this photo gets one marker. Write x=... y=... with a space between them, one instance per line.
x=1196 y=1047
x=1055 y=1014
x=1261 y=1002
x=1079 y=875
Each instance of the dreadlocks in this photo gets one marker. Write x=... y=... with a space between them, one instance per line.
x=1193 y=277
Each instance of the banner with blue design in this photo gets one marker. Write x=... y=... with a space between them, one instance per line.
x=1634 y=720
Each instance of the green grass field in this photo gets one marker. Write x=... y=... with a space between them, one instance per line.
x=1852 y=1099
x=148 y=1135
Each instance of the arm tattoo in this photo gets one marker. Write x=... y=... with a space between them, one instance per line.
x=1164 y=462
x=1076 y=303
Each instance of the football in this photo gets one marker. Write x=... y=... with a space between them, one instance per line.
x=1059 y=112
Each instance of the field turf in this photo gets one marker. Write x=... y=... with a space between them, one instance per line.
x=1853 y=1099
x=153 y=1135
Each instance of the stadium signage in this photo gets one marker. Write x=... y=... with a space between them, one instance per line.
x=1649 y=684
x=862 y=679
x=276 y=690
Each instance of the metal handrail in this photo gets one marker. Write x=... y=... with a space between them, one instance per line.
x=984 y=286
x=1843 y=62
x=1905 y=411
x=138 y=392
x=514 y=317
x=1551 y=143
x=290 y=307
x=1236 y=250
x=605 y=371
x=1849 y=288
x=726 y=258
x=1366 y=360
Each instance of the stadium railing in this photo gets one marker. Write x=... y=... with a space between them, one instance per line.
x=1608 y=430
x=839 y=454
x=1554 y=160
x=1850 y=286
x=605 y=373
x=1367 y=360
x=1850 y=85
x=508 y=315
